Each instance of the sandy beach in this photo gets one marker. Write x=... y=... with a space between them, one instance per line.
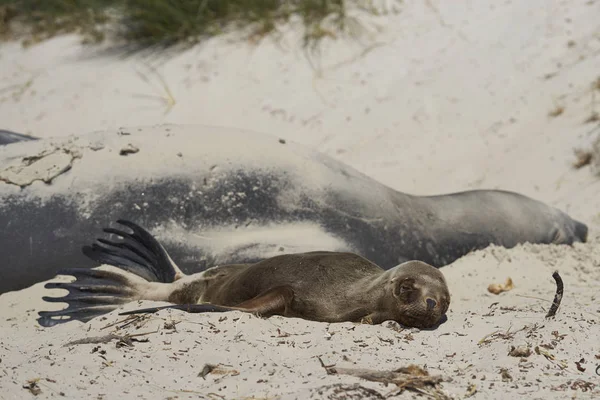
x=436 y=97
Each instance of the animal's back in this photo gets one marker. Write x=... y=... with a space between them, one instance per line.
x=313 y=275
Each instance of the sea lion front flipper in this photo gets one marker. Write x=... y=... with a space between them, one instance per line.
x=191 y=308
x=275 y=301
x=138 y=252
x=93 y=293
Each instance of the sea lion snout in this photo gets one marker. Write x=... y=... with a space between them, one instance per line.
x=427 y=312
x=431 y=304
x=581 y=232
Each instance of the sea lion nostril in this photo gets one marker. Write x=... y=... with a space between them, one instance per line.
x=431 y=304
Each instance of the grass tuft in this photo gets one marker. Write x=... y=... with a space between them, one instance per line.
x=148 y=23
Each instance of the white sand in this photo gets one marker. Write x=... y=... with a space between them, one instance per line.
x=448 y=97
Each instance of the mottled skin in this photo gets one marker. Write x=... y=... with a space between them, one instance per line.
x=241 y=197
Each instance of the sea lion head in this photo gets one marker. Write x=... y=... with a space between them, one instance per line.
x=417 y=294
x=568 y=231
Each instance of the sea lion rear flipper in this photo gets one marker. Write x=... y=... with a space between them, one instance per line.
x=139 y=253
x=93 y=293
x=99 y=291
x=272 y=302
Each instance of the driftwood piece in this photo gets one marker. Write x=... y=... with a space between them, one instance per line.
x=411 y=377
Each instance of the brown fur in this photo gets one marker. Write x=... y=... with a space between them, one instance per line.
x=319 y=286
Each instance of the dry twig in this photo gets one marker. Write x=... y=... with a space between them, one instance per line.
x=557 y=297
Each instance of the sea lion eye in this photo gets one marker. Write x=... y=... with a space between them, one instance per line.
x=405 y=287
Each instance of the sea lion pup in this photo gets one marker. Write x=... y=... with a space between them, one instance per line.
x=320 y=286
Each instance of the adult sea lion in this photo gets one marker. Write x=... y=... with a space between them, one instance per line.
x=223 y=196
x=319 y=286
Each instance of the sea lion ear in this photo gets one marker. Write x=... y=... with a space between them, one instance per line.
x=403 y=286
